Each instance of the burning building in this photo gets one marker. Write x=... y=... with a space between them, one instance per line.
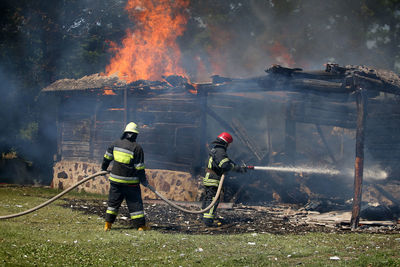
x=286 y=118
x=92 y=111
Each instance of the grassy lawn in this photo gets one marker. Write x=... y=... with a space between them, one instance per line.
x=55 y=236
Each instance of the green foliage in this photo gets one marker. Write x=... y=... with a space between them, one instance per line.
x=43 y=41
x=30 y=132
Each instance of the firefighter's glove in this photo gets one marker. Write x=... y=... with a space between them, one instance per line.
x=240 y=169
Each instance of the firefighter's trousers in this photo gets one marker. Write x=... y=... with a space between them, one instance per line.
x=208 y=217
x=133 y=198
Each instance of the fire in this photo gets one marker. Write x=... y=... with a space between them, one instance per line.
x=108 y=92
x=150 y=50
x=193 y=91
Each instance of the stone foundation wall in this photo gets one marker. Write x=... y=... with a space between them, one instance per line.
x=175 y=185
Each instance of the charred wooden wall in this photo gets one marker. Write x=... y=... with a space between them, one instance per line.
x=383 y=133
x=75 y=128
x=383 y=117
x=169 y=127
x=171 y=130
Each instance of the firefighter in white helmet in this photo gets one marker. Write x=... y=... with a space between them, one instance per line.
x=218 y=164
x=127 y=172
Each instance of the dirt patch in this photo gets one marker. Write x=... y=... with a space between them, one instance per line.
x=276 y=219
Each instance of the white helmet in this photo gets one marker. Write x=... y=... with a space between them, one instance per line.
x=131 y=128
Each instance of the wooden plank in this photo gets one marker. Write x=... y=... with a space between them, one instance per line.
x=319 y=85
x=303 y=110
x=75 y=130
x=333 y=107
x=167 y=106
x=324 y=121
x=170 y=116
x=111 y=115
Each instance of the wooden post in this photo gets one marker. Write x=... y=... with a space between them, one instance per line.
x=359 y=162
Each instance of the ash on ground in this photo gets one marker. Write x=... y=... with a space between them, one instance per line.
x=238 y=218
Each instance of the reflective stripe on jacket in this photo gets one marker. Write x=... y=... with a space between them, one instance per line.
x=218 y=164
x=128 y=167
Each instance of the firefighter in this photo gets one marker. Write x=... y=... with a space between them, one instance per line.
x=218 y=164
x=127 y=172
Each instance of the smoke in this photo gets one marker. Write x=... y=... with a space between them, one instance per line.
x=8 y=115
x=241 y=38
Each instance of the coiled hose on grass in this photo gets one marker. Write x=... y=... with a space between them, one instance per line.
x=103 y=173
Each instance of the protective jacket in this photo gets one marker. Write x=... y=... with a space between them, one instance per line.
x=218 y=164
x=128 y=167
x=127 y=172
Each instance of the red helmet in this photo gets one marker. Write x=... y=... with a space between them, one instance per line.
x=226 y=137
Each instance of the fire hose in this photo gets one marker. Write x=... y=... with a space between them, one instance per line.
x=53 y=198
x=191 y=211
x=105 y=172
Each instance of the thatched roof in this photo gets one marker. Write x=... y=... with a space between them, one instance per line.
x=87 y=82
x=334 y=79
x=387 y=77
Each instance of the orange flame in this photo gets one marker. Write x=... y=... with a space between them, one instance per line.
x=108 y=92
x=150 y=50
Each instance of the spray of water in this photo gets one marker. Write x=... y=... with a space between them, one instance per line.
x=375 y=173
x=299 y=169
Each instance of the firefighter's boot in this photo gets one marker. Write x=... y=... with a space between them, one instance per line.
x=107 y=226
x=145 y=227
x=218 y=223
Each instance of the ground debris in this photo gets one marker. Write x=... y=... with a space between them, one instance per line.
x=275 y=219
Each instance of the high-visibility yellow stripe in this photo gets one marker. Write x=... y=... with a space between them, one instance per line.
x=135 y=181
x=210 y=213
x=112 y=212
x=108 y=156
x=210 y=182
x=208 y=216
x=222 y=162
x=210 y=160
x=138 y=216
x=140 y=166
x=122 y=157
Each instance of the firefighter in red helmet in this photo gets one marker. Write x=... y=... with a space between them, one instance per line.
x=218 y=164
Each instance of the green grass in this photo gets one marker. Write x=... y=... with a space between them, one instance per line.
x=55 y=236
